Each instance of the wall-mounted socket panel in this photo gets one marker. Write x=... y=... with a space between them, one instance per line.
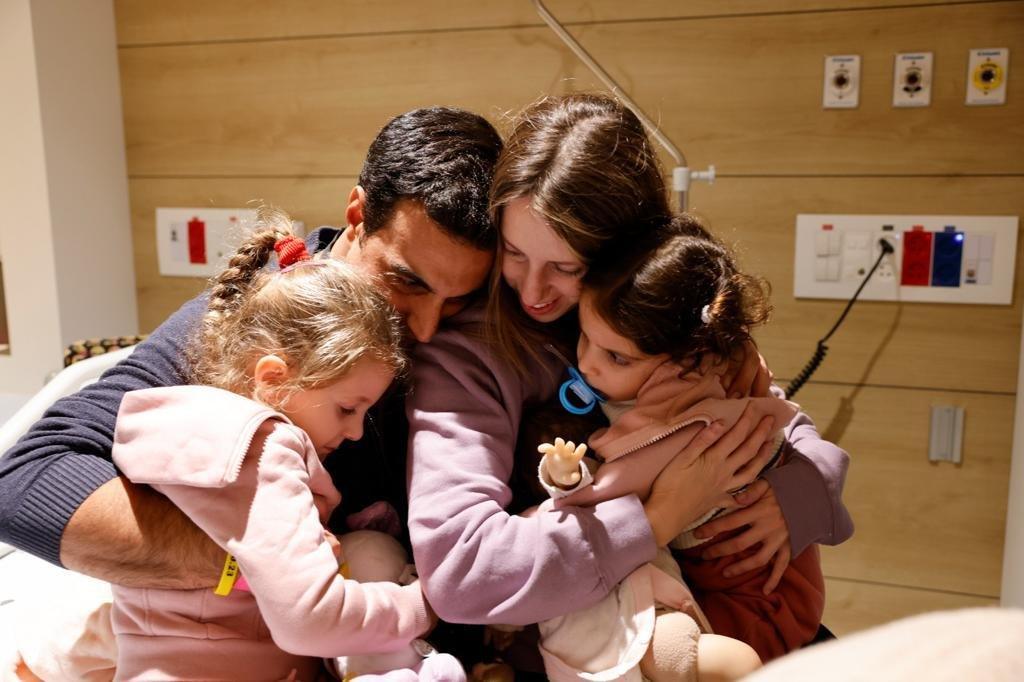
x=841 y=89
x=987 y=72
x=912 y=79
x=196 y=242
x=936 y=258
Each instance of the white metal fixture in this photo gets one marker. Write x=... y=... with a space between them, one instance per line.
x=682 y=175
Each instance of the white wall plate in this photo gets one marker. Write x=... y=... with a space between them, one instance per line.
x=937 y=258
x=842 y=82
x=912 y=79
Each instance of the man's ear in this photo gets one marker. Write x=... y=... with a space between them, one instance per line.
x=269 y=375
x=354 y=210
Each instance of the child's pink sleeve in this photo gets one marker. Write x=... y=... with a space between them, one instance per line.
x=269 y=520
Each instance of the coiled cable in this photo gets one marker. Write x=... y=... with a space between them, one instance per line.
x=819 y=352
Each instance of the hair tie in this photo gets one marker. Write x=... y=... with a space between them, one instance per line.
x=705 y=314
x=290 y=250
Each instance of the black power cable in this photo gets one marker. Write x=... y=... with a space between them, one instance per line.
x=819 y=352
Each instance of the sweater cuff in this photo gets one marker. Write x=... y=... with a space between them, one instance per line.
x=621 y=538
x=422 y=622
x=38 y=525
x=808 y=516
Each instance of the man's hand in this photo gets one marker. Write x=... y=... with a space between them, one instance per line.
x=563 y=461
x=767 y=527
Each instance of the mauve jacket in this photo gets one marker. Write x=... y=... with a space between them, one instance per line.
x=252 y=481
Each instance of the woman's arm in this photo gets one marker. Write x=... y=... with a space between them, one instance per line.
x=479 y=564
x=809 y=487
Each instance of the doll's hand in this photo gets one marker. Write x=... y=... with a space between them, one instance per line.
x=563 y=461
x=767 y=527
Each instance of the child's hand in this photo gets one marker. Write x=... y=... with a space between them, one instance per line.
x=563 y=461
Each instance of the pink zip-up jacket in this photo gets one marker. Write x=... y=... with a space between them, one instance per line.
x=252 y=481
x=671 y=408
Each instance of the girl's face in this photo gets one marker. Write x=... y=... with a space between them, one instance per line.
x=538 y=264
x=334 y=413
x=610 y=362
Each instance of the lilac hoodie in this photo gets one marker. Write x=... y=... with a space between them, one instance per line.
x=251 y=481
x=480 y=564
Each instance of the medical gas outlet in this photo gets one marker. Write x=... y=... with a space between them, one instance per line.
x=941 y=259
x=912 y=80
x=987 y=71
x=842 y=81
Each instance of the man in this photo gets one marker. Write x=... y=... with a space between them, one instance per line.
x=417 y=220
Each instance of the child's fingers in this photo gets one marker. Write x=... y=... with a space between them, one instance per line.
x=580 y=451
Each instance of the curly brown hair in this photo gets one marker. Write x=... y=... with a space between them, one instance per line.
x=657 y=296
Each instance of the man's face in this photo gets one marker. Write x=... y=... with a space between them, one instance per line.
x=429 y=276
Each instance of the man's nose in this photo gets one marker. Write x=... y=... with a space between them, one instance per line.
x=424 y=319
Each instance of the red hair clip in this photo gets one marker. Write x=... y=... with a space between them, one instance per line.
x=290 y=250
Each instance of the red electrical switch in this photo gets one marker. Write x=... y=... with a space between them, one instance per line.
x=917 y=258
x=196 y=241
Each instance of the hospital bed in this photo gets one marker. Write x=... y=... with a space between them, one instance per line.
x=21 y=574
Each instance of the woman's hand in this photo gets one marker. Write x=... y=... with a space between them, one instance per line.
x=767 y=527
x=702 y=476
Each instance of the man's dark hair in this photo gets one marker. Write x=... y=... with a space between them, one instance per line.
x=444 y=159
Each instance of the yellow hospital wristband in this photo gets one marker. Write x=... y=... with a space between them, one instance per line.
x=228 y=576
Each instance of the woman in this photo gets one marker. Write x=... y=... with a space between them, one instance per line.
x=576 y=184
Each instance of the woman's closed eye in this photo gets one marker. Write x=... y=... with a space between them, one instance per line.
x=346 y=411
x=570 y=270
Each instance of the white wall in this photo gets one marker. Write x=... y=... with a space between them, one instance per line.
x=65 y=236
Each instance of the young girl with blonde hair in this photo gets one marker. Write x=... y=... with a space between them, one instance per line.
x=285 y=364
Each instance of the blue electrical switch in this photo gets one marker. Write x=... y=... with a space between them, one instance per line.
x=947 y=258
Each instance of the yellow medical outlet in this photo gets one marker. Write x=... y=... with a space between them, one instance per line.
x=988 y=70
x=987 y=76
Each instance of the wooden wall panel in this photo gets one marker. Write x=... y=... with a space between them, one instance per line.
x=852 y=606
x=745 y=95
x=143 y=22
x=316 y=202
x=914 y=344
x=918 y=524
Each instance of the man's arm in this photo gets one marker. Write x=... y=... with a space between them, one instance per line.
x=61 y=498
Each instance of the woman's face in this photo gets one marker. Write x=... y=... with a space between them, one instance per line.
x=538 y=264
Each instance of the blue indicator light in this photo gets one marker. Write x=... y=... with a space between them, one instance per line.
x=959 y=236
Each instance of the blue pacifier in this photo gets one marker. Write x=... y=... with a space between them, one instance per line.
x=578 y=385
